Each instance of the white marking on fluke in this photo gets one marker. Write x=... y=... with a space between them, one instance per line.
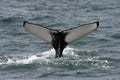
x=60 y=39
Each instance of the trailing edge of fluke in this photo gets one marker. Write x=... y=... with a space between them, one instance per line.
x=60 y=39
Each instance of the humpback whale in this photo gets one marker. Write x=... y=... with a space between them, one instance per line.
x=60 y=39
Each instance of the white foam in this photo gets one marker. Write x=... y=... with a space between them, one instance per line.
x=39 y=57
x=69 y=57
x=47 y=54
x=69 y=50
x=23 y=61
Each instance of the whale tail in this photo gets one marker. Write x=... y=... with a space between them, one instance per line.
x=58 y=39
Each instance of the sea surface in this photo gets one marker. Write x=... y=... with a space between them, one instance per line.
x=93 y=57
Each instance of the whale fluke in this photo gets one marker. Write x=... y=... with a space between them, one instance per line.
x=80 y=31
x=60 y=39
x=39 y=31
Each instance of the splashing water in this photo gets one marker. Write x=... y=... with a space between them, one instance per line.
x=72 y=57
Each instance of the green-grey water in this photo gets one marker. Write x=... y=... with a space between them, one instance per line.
x=25 y=57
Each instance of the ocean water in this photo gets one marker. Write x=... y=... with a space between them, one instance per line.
x=93 y=57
